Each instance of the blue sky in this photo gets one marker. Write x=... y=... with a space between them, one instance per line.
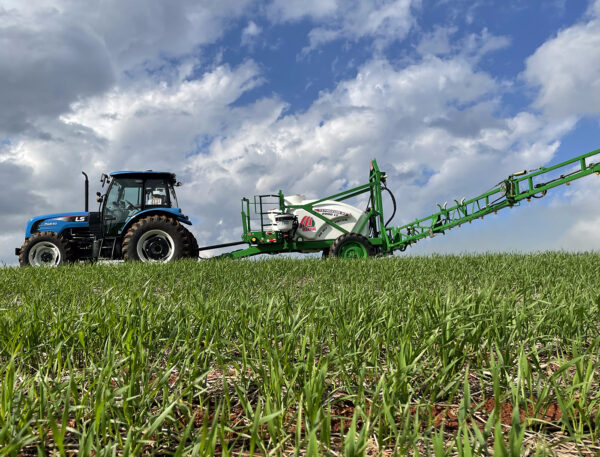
x=241 y=97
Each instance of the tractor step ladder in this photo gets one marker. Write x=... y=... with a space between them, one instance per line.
x=107 y=244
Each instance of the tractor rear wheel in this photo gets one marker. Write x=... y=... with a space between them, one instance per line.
x=155 y=239
x=192 y=244
x=351 y=245
x=47 y=249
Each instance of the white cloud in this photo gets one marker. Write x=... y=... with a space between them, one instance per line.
x=566 y=69
x=46 y=64
x=595 y=8
x=290 y=10
x=584 y=235
x=432 y=127
x=250 y=32
x=53 y=53
x=136 y=30
x=436 y=42
x=472 y=46
x=382 y=20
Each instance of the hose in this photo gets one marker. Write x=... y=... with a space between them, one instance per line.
x=543 y=192
x=393 y=201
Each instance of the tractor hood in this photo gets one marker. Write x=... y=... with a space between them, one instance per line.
x=56 y=222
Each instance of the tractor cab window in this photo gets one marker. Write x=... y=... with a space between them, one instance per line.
x=155 y=193
x=124 y=200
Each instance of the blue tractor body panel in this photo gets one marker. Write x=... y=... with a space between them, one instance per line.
x=59 y=222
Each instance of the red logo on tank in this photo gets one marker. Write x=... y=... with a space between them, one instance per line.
x=307 y=224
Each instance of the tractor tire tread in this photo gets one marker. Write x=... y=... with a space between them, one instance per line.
x=192 y=248
x=128 y=247
x=42 y=236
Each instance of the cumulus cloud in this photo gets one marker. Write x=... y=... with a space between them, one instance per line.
x=45 y=65
x=437 y=42
x=566 y=69
x=250 y=32
x=286 y=10
x=54 y=53
x=382 y=20
x=432 y=126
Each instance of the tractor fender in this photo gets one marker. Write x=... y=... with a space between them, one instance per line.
x=175 y=213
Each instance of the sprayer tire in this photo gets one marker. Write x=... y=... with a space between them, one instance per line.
x=156 y=238
x=351 y=245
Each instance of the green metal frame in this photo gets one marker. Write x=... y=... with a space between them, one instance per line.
x=508 y=193
x=261 y=240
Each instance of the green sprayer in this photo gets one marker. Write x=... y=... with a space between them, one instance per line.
x=276 y=223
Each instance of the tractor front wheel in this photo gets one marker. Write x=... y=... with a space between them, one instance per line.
x=155 y=239
x=351 y=245
x=44 y=249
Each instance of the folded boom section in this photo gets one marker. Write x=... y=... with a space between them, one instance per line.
x=517 y=187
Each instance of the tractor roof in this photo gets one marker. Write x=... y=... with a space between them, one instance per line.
x=143 y=174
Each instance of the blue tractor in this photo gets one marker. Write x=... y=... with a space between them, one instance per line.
x=138 y=219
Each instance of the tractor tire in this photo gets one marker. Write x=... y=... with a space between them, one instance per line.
x=351 y=245
x=155 y=239
x=47 y=249
x=192 y=245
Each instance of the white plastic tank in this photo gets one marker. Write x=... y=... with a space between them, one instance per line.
x=312 y=228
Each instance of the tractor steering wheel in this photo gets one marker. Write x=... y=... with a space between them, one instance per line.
x=123 y=205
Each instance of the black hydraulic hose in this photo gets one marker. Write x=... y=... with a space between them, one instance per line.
x=394 y=202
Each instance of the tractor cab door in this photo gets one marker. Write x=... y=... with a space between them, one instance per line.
x=123 y=200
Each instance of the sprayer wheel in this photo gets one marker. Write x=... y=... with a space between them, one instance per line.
x=351 y=245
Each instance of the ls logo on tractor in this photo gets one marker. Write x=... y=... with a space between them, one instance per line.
x=307 y=224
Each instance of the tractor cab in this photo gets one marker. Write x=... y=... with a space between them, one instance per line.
x=131 y=192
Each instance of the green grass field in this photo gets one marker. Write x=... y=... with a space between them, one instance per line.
x=467 y=355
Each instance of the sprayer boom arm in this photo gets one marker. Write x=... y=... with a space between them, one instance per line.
x=517 y=187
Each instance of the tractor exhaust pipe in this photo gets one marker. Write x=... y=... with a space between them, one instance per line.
x=87 y=192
